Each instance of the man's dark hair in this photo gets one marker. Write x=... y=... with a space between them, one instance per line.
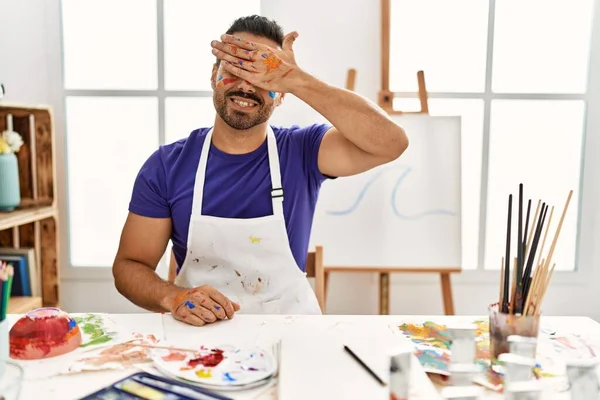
x=257 y=26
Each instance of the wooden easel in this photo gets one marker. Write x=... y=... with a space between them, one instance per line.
x=386 y=102
x=386 y=97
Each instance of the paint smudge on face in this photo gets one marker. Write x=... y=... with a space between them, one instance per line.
x=204 y=373
x=217 y=308
x=196 y=260
x=271 y=62
x=254 y=239
x=213 y=267
x=189 y=304
x=212 y=359
x=227 y=377
x=226 y=81
x=272 y=95
x=259 y=279
x=174 y=356
x=237 y=273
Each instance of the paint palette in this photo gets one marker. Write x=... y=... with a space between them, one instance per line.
x=223 y=367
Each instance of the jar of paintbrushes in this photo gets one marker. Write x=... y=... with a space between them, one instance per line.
x=524 y=279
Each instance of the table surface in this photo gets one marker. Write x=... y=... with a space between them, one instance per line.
x=314 y=364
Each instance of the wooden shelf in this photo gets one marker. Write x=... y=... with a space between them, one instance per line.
x=34 y=224
x=22 y=305
x=25 y=216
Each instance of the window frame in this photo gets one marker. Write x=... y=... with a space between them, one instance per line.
x=386 y=98
x=68 y=270
x=585 y=254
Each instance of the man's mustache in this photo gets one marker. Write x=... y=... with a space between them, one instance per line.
x=248 y=96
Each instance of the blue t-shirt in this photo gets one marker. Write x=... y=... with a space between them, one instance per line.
x=236 y=186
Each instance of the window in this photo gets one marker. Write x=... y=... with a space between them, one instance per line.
x=129 y=87
x=517 y=73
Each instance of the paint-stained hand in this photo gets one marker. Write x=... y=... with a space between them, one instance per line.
x=265 y=67
x=202 y=305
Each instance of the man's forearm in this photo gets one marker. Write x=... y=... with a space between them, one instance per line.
x=143 y=287
x=361 y=121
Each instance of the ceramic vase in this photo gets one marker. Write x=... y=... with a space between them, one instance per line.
x=10 y=192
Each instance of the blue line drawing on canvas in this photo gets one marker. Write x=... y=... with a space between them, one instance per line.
x=399 y=181
x=417 y=215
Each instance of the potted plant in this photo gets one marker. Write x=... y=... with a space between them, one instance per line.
x=10 y=191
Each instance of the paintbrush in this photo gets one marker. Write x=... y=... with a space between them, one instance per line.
x=504 y=305
x=154 y=346
x=525 y=249
x=527 y=273
x=365 y=366
x=519 y=265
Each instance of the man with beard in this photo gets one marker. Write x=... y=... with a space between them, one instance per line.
x=237 y=199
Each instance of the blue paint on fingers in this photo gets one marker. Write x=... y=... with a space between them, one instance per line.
x=272 y=94
x=189 y=304
x=217 y=308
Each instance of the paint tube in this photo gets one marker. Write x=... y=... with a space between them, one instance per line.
x=524 y=390
x=583 y=378
x=463 y=347
x=462 y=374
x=517 y=368
x=462 y=392
x=522 y=345
x=400 y=359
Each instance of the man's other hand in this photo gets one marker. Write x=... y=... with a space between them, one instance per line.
x=265 y=67
x=202 y=305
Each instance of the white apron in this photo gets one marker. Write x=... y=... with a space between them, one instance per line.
x=248 y=260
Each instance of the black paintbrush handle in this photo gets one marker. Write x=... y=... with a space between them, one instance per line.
x=534 y=244
x=504 y=305
x=525 y=232
x=520 y=238
x=369 y=370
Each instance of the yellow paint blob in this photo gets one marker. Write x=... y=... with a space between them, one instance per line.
x=204 y=373
x=254 y=239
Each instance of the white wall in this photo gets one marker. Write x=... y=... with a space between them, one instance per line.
x=32 y=28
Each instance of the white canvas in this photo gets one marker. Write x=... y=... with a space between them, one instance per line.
x=404 y=213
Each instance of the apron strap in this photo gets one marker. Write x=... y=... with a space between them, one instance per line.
x=277 y=188
x=200 y=174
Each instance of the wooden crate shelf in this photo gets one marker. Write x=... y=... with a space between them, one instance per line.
x=34 y=224
x=21 y=305
x=25 y=216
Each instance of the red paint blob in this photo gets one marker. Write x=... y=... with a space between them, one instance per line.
x=227 y=81
x=210 y=360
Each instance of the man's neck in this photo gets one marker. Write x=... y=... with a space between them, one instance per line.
x=233 y=141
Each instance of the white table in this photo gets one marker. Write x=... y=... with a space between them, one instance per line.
x=314 y=365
